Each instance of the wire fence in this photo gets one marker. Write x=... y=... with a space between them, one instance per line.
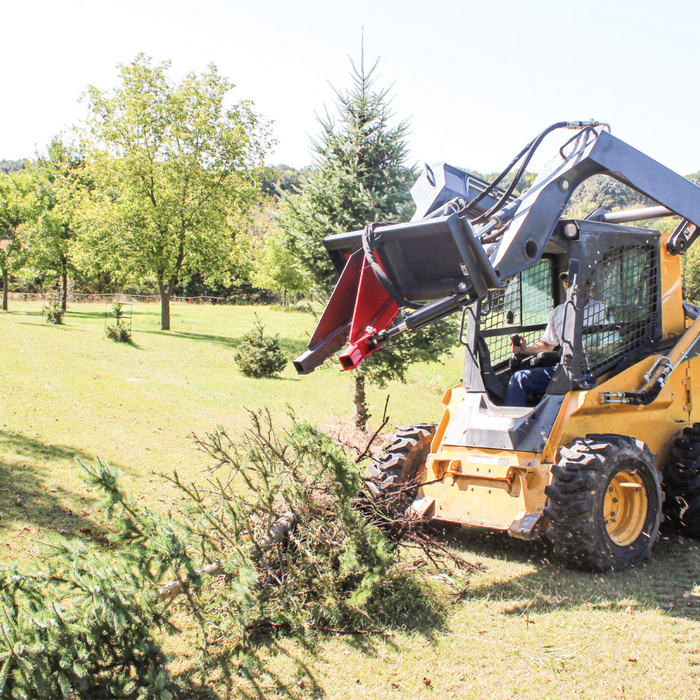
x=137 y=298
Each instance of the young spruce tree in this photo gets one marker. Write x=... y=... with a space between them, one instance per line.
x=360 y=176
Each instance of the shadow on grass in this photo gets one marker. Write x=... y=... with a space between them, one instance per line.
x=665 y=582
x=98 y=315
x=26 y=500
x=129 y=343
x=251 y=677
x=294 y=347
x=19 y=312
x=58 y=327
x=289 y=346
x=198 y=337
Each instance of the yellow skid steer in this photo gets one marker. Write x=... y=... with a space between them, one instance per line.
x=574 y=418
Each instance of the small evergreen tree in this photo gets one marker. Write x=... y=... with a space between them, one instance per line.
x=360 y=177
x=260 y=356
x=120 y=329
x=53 y=312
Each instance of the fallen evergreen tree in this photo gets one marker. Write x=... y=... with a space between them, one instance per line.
x=281 y=540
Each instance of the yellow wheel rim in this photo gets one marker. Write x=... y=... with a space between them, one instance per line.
x=625 y=507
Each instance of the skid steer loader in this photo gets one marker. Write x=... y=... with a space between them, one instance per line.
x=587 y=462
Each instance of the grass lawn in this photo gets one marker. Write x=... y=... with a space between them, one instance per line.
x=524 y=628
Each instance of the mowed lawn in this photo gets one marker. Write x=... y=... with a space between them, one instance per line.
x=69 y=393
x=524 y=628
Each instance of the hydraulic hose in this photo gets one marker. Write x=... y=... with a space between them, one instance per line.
x=528 y=152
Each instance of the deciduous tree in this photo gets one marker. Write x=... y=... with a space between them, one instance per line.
x=176 y=171
x=276 y=267
x=14 y=209
x=48 y=236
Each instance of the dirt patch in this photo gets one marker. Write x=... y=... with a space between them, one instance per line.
x=344 y=431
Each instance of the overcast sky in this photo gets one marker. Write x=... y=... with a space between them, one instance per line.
x=477 y=80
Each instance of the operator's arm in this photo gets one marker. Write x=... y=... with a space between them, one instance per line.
x=549 y=339
x=534 y=349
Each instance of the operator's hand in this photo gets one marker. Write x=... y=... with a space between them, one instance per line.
x=518 y=344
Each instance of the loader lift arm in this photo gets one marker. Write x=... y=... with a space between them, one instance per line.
x=451 y=262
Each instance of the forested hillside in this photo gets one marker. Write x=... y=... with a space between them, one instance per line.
x=10 y=166
x=598 y=192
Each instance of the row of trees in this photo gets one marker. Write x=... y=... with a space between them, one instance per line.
x=165 y=182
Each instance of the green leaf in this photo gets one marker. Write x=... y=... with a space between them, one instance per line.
x=5 y=673
x=65 y=686
x=79 y=669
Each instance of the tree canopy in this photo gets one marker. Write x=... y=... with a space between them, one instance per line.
x=177 y=172
x=360 y=175
x=16 y=195
x=275 y=266
x=48 y=236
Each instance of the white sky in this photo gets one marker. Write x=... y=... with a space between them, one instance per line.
x=477 y=79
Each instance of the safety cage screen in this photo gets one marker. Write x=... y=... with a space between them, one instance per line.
x=621 y=305
x=523 y=306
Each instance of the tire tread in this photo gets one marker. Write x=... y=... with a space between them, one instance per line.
x=572 y=497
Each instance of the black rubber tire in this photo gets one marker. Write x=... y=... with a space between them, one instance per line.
x=576 y=501
x=402 y=460
x=682 y=482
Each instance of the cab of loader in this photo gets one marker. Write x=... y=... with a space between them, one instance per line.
x=583 y=460
x=616 y=269
x=586 y=266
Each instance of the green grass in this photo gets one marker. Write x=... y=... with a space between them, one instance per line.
x=70 y=393
x=524 y=628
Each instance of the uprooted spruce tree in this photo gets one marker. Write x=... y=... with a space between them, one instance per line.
x=175 y=168
x=281 y=540
x=360 y=177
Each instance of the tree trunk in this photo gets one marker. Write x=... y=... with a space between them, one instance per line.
x=64 y=282
x=360 y=399
x=164 y=305
x=5 y=277
x=166 y=292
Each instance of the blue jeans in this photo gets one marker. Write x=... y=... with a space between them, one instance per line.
x=525 y=383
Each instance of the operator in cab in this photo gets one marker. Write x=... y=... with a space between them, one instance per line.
x=527 y=383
